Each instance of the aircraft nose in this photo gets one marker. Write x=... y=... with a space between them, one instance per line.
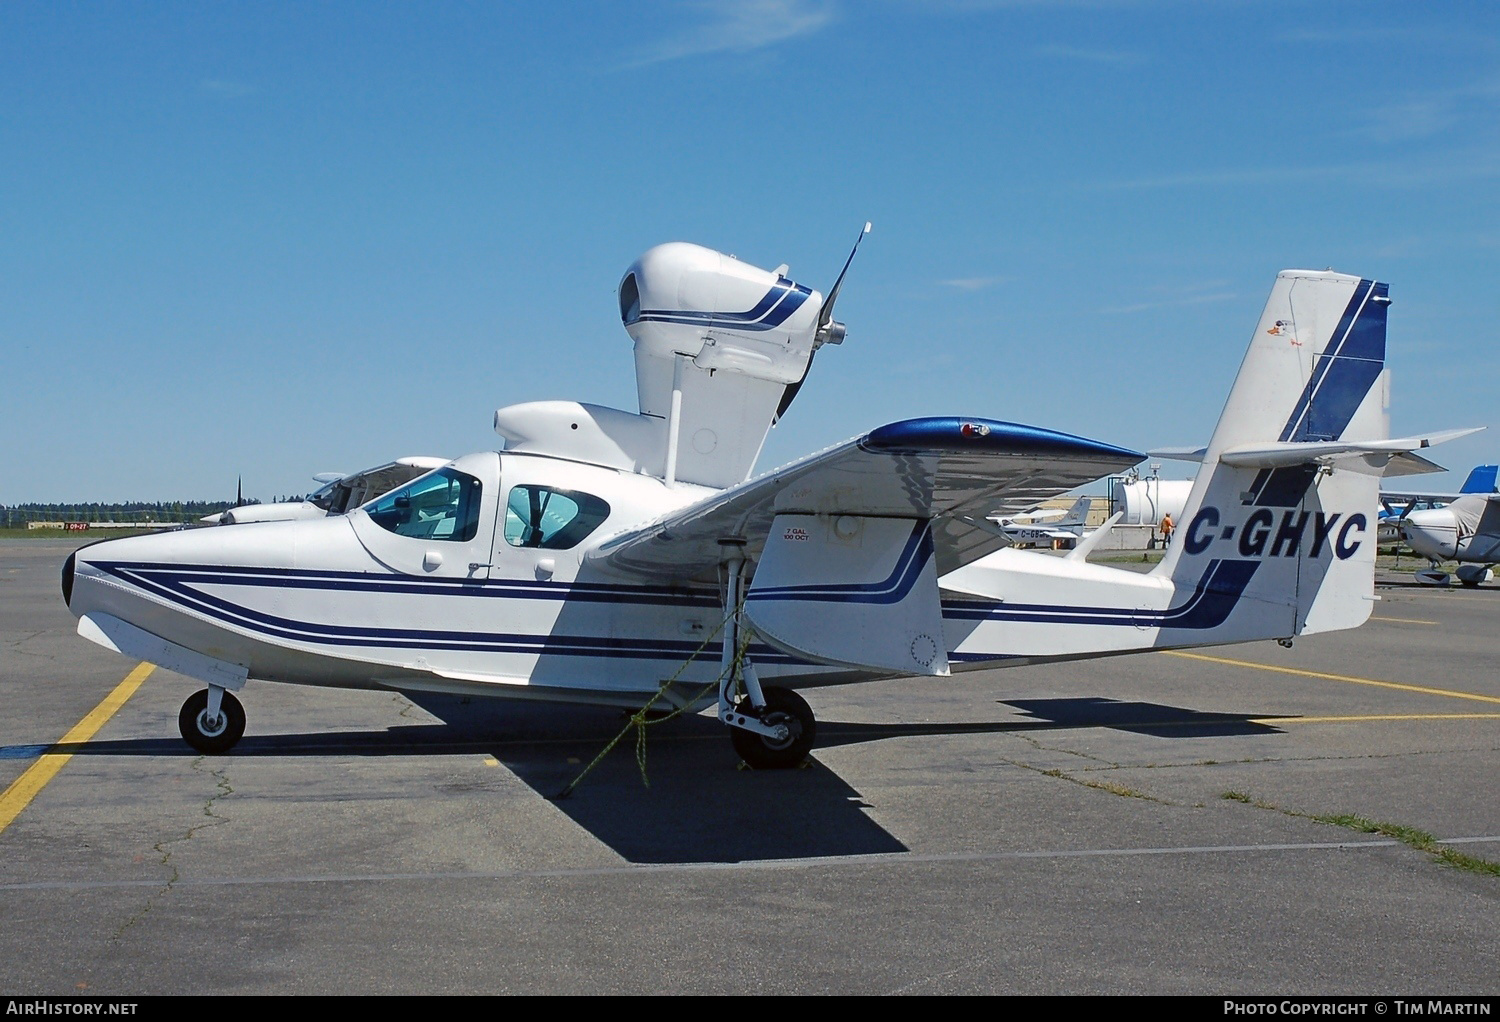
x=1422 y=530
x=67 y=579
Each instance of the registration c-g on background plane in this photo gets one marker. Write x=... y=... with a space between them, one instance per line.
x=616 y=558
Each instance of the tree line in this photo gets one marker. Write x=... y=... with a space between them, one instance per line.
x=18 y=515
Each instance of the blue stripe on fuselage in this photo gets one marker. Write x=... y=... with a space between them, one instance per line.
x=778 y=305
x=893 y=588
x=1213 y=598
x=1210 y=603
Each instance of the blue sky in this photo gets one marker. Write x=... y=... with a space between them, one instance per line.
x=268 y=240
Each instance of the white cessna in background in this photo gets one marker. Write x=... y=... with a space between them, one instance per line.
x=338 y=494
x=610 y=557
x=1465 y=529
x=1045 y=529
x=1395 y=505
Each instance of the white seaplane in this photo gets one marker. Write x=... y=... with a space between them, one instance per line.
x=622 y=558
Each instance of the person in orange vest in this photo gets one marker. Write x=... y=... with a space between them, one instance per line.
x=1166 y=529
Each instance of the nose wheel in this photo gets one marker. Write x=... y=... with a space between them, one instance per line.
x=211 y=725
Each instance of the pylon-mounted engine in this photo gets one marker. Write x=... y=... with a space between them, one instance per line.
x=721 y=348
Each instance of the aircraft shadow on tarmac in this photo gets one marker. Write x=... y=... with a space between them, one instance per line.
x=1154 y=719
x=695 y=804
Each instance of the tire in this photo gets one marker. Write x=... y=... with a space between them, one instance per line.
x=211 y=740
x=783 y=706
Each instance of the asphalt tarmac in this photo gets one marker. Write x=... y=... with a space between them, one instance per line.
x=1149 y=824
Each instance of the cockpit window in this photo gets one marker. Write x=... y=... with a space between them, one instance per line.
x=630 y=300
x=536 y=516
x=333 y=498
x=441 y=505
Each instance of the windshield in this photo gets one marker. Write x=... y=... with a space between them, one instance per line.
x=333 y=498
x=441 y=505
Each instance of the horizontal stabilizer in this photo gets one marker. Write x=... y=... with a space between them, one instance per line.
x=1411 y=465
x=1179 y=453
x=1287 y=454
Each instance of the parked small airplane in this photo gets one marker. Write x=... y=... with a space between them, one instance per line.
x=1396 y=505
x=1068 y=528
x=607 y=557
x=338 y=493
x=1466 y=530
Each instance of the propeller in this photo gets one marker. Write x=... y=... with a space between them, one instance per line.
x=829 y=331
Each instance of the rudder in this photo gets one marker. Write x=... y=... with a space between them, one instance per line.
x=1277 y=536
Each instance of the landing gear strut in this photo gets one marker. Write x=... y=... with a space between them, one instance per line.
x=211 y=721
x=771 y=728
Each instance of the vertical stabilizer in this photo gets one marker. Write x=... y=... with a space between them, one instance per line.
x=1078 y=514
x=1272 y=542
x=1481 y=480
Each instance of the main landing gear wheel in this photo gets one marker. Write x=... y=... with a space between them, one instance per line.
x=211 y=735
x=783 y=706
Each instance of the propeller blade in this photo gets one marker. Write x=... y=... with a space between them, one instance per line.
x=828 y=331
x=825 y=315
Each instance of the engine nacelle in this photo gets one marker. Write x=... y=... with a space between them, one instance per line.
x=729 y=338
x=720 y=348
x=722 y=314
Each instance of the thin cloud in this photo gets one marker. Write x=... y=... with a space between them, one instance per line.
x=1430 y=112
x=1432 y=170
x=1174 y=303
x=1405 y=34
x=1113 y=58
x=225 y=88
x=972 y=283
x=966 y=6
x=1416 y=118
x=741 y=26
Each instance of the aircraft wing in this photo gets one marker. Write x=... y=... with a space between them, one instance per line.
x=1033 y=516
x=1483 y=479
x=954 y=472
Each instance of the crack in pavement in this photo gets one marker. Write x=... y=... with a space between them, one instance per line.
x=223 y=789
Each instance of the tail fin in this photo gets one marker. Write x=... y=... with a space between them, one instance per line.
x=1078 y=514
x=1278 y=533
x=1481 y=480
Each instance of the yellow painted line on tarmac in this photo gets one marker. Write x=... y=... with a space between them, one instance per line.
x=30 y=784
x=1336 y=677
x=1278 y=721
x=1402 y=620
